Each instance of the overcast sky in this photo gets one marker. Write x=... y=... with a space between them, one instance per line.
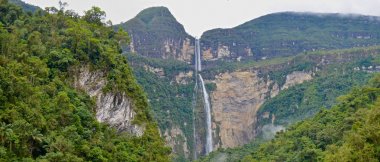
x=198 y=16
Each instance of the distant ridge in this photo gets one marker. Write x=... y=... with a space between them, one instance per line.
x=289 y=33
x=25 y=6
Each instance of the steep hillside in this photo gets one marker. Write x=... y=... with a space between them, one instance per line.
x=241 y=89
x=67 y=94
x=169 y=84
x=25 y=6
x=288 y=33
x=281 y=61
x=156 y=33
x=346 y=132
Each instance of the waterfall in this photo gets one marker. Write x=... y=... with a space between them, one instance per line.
x=208 y=117
x=198 y=55
x=206 y=102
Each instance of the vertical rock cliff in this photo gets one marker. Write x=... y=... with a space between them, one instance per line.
x=114 y=108
x=156 y=33
x=236 y=100
x=290 y=33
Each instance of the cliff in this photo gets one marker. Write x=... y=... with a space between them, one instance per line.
x=290 y=33
x=236 y=100
x=156 y=33
x=114 y=108
x=240 y=94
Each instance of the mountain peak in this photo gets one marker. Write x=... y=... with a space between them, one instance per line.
x=149 y=14
x=156 y=33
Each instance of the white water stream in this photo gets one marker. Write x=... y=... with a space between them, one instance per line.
x=206 y=102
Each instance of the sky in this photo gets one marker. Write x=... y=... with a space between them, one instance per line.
x=198 y=16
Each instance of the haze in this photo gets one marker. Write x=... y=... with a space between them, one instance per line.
x=198 y=16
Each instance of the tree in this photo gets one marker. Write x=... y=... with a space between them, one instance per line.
x=95 y=15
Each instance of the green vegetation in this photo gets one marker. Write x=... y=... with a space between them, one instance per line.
x=42 y=117
x=319 y=138
x=26 y=7
x=305 y=100
x=299 y=62
x=287 y=33
x=171 y=102
x=151 y=29
x=347 y=132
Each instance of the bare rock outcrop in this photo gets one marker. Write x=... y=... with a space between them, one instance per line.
x=114 y=108
x=236 y=100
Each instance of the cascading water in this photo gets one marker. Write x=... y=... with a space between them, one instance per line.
x=208 y=117
x=206 y=102
x=198 y=54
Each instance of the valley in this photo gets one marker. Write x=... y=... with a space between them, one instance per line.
x=250 y=96
x=287 y=86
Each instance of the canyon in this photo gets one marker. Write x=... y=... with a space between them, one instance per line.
x=237 y=89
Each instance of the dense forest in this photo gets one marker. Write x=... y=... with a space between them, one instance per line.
x=347 y=132
x=42 y=116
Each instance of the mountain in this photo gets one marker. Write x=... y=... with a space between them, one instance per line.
x=290 y=33
x=156 y=33
x=258 y=95
x=25 y=6
x=67 y=93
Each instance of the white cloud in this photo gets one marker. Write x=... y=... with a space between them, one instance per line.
x=200 y=15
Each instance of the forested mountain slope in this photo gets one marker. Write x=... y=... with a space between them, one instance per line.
x=60 y=74
x=25 y=6
x=156 y=33
x=289 y=33
x=347 y=132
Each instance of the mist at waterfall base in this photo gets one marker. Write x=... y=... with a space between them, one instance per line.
x=206 y=102
x=270 y=130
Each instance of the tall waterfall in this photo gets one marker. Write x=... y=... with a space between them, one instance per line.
x=208 y=117
x=206 y=102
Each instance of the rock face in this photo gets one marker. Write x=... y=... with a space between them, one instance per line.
x=159 y=71
x=156 y=33
x=288 y=33
x=296 y=77
x=184 y=77
x=174 y=138
x=236 y=100
x=112 y=108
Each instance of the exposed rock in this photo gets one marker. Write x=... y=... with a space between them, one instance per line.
x=132 y=46
x=248 y=51
x=275 y=90
x=296 y=77
x=187 y=51
x=112 y=108
x=159 y=71
x=183 y=78
x=265 y=38
x=223 y=51
x=169 y=49
x=235 y=102
x=172 y=137
x=207 y=55
x=156 y=33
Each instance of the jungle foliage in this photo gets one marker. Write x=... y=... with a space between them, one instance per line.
x=42 y=116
